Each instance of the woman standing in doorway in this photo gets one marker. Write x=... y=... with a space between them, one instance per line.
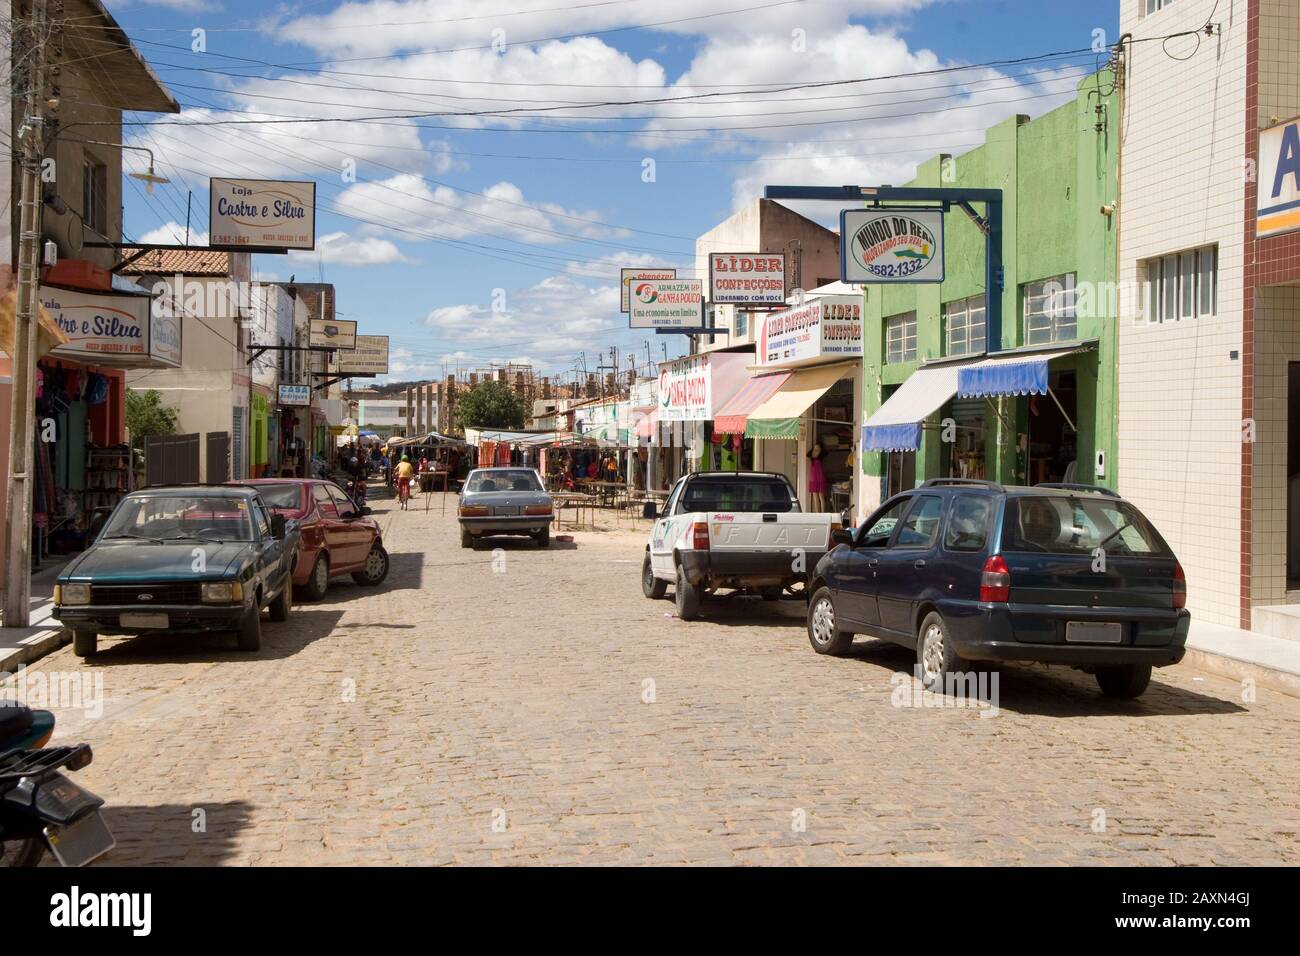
x=817 y=478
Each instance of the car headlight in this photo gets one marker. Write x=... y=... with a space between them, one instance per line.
x=72 y=594
x=222 y=592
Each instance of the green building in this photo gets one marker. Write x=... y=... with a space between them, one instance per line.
x=1044 y=407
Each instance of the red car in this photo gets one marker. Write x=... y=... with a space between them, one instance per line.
x=335 y=537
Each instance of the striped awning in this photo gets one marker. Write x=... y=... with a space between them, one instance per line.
x=778 y=416
x=731 y=417
x=645 y=425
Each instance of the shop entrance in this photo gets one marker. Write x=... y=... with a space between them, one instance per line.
x=1051 y=450
x=1292 y=476
x=832 y=428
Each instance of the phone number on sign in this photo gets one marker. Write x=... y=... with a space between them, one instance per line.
x=897 y=270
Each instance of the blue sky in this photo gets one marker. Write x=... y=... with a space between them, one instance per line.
x=546 y=208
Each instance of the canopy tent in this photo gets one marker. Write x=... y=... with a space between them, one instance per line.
x=778 y=416
x=431 y=440
x=896 y=425
x=732 y=415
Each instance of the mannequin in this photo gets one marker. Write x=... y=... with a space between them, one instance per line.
x=817 y=478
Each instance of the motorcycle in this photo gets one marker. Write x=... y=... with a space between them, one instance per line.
x=40 y=808
x=357 y=490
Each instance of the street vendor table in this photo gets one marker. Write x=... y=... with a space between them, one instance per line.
x=577 y=501
x=608 y=491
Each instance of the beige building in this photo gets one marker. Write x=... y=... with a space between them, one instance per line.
x=1209 y=348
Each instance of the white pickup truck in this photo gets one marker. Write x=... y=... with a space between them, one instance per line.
x=732 y=530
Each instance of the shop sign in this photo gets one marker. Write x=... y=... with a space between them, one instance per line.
x=1277 y=193
x=112 y=329
x=891 y=246
x=829 y=327
x=370 y=357
x=295 y=395
x=746 y=278
x=684 y=390
x=333 y=334
x=625 y=277
x=262 y=213
x=667 y=304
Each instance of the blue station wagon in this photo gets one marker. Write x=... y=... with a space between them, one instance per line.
x=964 y=571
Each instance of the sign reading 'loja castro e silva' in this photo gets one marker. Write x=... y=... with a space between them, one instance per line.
x=262 y=213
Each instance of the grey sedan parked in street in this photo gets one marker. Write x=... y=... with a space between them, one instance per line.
x=505 y=501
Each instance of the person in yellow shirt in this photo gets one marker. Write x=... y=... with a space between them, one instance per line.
x=404 y=471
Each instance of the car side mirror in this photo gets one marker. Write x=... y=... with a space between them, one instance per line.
x=365 y=511
x=650 y=510
x=842 y=536
x=277 y=527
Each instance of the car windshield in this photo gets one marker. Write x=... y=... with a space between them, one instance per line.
x=507 y=479
x=1078 y=525
x=281 y=496
x=737 y=494
x=181 y=517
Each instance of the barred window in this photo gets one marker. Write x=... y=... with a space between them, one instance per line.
x=1050 y=311
x=964 y=325
x=900 y=338
x=1182 y=285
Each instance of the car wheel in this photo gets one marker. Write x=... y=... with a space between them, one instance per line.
x=651 y=586
x=21 y=852
x=688 y=597
x=823 y=633
x=250 y=630
x=466 y=539
x=318 y=581
x=936 y=657
x=543 y=538
x=1124 y=681
x=84 y=643
x=376 y=568
x=283 y=602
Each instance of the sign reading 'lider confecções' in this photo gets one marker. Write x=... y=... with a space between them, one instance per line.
x=891 y=245
x=743 y=278
x=262 y=213
x=824 y=328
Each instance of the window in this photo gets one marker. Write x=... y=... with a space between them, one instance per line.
x=263 y=522
x=880 y=529
x=1182 y=285
x=1049 y=311
x=742 y=324
x=968 y=523
x=963 y=322
x=1154 y=6
x=738 y=494
x=342 y=502
x=900 y=338
x=180 y=517
x=1061 y=525
x=324 y=502
x=94 y=195
x=921 y=527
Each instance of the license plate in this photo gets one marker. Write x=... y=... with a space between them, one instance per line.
x=1094 y=632
x=143 y=620
x=79 y=843
x=505 y=512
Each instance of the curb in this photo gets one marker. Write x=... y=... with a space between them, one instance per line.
x=33 y=649
x=1283 y=682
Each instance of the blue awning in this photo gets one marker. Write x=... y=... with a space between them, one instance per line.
x=1015 y=374
x=905 y=437
x=896 y=425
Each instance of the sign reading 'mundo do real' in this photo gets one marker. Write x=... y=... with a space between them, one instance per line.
x=1277 y=192
x=892 y=245
x=262 y=213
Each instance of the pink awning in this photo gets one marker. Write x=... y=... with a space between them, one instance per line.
x=645 y=425
x=731 y=417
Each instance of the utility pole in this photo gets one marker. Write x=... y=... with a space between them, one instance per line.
x=18 y=502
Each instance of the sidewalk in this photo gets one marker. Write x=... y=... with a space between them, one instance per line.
x=1272 y=662
x=22 y=645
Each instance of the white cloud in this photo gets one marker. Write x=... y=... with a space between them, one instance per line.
x=171 y=234
x=341 y=249
x=408 y=202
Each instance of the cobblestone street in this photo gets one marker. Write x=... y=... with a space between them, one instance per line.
x=531 y=706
